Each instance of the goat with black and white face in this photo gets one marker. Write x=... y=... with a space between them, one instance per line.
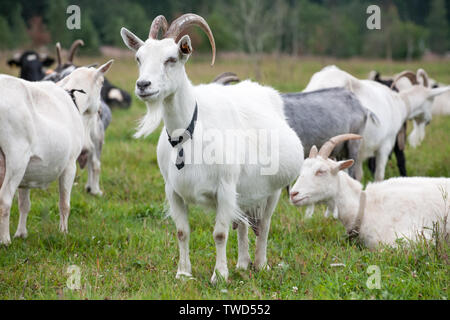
x=236 y=191
x=31 y=65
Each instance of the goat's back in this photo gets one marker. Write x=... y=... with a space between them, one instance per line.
x=320 y=115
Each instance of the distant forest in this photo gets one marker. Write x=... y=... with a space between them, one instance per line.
x=297 y=27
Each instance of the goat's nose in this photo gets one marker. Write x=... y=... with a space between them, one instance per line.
x=293 y=194
x=142 y=85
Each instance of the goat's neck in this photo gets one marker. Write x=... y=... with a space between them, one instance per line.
x=347 y=200
x=179 y=107
x=410 y=107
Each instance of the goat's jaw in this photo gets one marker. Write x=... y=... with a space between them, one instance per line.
x=148 y=96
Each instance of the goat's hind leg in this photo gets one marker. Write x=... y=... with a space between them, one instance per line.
x=178 y=211
x=10 y=180
x=261 y=240
x=65 y=188
x=24 y=208
x=243 y=255
x=226 y=211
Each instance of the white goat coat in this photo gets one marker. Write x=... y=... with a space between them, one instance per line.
x=40 y=120
x=243 y=106
x=374 y=96
x=404 y=208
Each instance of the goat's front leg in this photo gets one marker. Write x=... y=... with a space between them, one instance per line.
x=382 y=159
x=243 y=255
x=309 y=211
x=261 y=240
x=179 y=213
x=93 y=183
x=24 y=208
x=65 y=188
x=94 y=164
x=226 y=209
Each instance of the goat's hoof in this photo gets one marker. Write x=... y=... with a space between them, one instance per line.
x=6 y=241
x=219 y=276
x=181 y=274
x=94 y=192
x=21 y=234
x=262 y=266
x=243 y=264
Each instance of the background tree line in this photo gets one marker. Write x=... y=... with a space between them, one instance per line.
x=306 y=27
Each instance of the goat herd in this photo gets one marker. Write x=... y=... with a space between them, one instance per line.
x=46 y=126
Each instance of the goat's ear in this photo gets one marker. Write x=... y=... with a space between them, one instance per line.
x=14 y=63
x=185 y=47
x=131 y=40
x=341 y=165
x=438 y=91
x=102 y=70
x=313 y=152
x=48 y=61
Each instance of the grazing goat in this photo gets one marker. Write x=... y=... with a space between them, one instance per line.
x=43 y=129
x=31 y=65
x=441 y=105
x=237 y=191
x=398 y=208
x=91 y=158
x=391 y=108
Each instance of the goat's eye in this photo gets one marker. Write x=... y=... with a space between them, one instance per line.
x=320 y=172
x=170 y=60
x=138 y=60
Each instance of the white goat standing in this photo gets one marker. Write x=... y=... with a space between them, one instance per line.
x=232 y=189
x=42 y=133
x=391 y=108
x=386 y=211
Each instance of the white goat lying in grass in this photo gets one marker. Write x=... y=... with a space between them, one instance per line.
x=236 y=190
x=43 y=129
x=386 y=211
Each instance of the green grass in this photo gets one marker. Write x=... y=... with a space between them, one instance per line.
x=127 y=248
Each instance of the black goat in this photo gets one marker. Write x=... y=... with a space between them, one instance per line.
x=31 y=65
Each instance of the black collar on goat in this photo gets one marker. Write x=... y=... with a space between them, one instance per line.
x=31 y=65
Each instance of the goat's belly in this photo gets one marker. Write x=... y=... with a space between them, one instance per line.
x=48 y=164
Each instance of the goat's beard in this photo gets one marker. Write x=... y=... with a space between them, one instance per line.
x=150 y=121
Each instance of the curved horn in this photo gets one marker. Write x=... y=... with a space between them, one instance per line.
x=226 y=78
x=421 y=73
x=408 y=74
x=73 y=49
x=158 y=23
x=58 y=54
x=185 y=21
x=329 y=146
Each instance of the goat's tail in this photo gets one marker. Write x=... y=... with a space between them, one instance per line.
x=373 y=117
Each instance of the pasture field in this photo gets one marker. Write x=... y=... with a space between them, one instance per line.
x=126 y=248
